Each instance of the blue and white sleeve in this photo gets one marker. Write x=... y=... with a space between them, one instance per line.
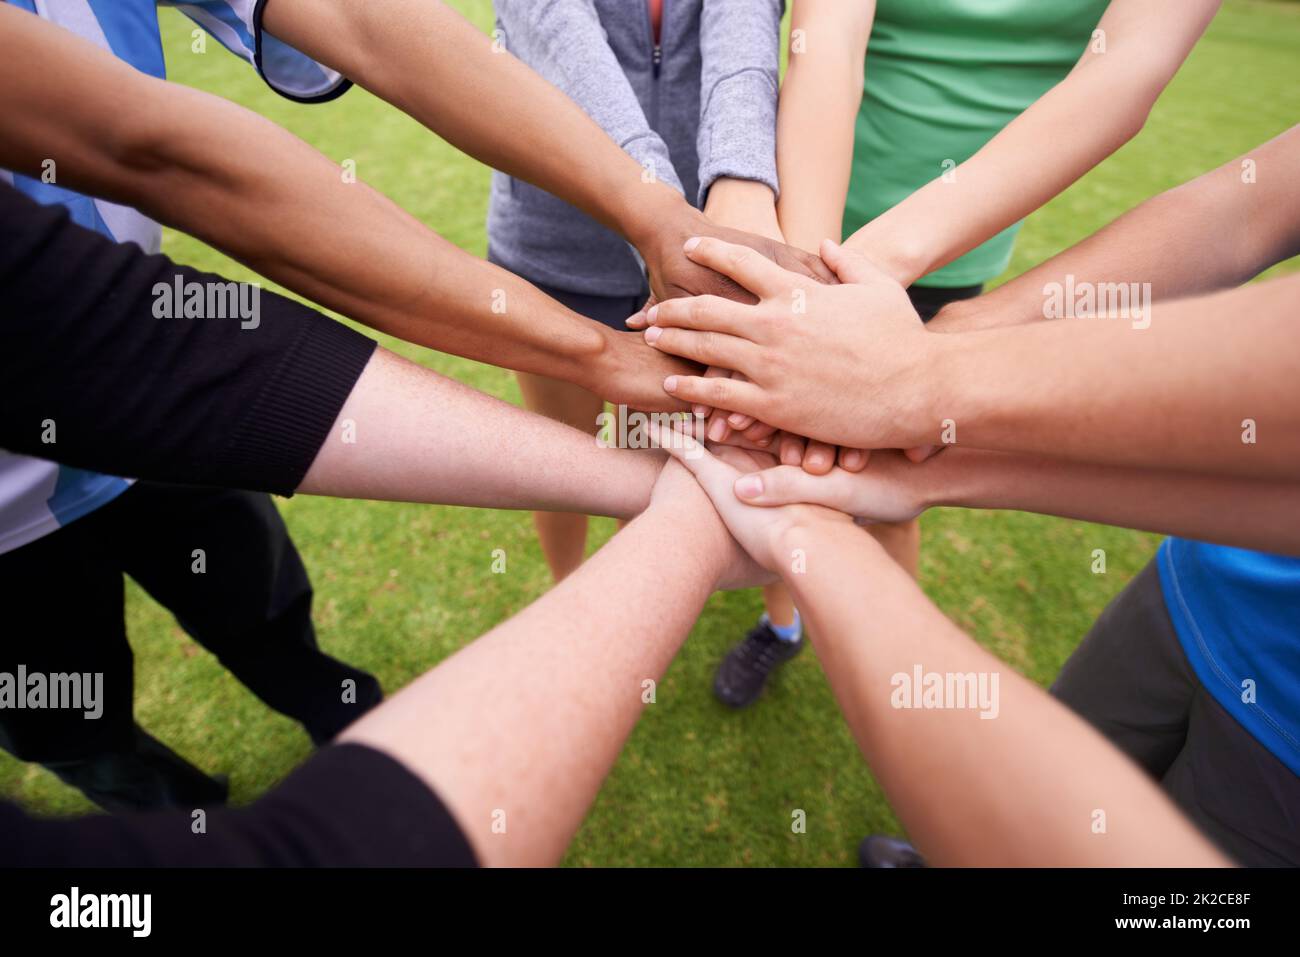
x=237 y=25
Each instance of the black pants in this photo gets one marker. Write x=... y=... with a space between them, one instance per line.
x=1131 y=680
x=61 y=598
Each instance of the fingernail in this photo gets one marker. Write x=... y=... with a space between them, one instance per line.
x=654 y=311
x=749 y=486
x=700 y=411
x=817 y=460
x=691 y=243
x=852 y=459
x=718 y=430
x=737 y=420
x=652 y=334
x=763 y=443
x=670 y=384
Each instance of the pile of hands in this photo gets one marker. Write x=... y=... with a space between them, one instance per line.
x=795 y=366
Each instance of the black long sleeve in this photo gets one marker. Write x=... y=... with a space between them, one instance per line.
x=192 y=400
x=348 y=806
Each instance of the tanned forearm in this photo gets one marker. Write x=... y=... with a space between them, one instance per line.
x=253 y=190
x=484 y=101
x=1214 y=232
x=1209 y=387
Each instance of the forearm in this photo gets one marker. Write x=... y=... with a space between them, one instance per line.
x=1009 y=178
x=521 y=727
x=1228 y=511
x=484 y=102
x=253 y=190
x=1214 y=232
x=819 y=103
x=1021 y=789
x=409 y=434
x=1105 y=392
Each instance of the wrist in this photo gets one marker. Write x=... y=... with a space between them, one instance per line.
x=653 y=215
x=813 y=545
x=805 y=532
x=743 y=204
x=901 y=257
x=924 y=397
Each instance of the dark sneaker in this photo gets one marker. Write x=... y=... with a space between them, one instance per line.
x=881 y=850
x=745 y=670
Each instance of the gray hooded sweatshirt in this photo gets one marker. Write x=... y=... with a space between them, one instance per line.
x=698 y=106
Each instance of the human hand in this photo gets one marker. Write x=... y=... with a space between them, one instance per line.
x=842 y=364
x=674 y=274
x=748 y=206
x=762 y=532
x=892 y=489
x=631 y=373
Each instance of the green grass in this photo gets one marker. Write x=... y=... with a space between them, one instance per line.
x=399 y=587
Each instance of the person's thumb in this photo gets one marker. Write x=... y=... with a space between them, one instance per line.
x=849 y=266
x=790 y=484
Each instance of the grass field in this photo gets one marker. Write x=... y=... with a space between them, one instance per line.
x=399 y=587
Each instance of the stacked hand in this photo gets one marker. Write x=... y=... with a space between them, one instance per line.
x=838 y=363
x=633 y=373
x=750 y=208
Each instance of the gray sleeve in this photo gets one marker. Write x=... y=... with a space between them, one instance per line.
x=740 y=44
x=564 y=41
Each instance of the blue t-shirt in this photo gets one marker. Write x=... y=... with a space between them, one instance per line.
x=1237 y=614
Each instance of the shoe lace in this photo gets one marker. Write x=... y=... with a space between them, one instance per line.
x=761 y=650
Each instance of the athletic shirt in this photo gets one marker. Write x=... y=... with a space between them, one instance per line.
x=1237 y=614
x=38 y=496
x=943 y=77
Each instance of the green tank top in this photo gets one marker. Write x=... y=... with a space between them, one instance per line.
x=942 y=78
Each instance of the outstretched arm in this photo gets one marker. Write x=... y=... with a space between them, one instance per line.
x=1213 y=232
x=1005 y=776
x=92 y=375
x=427 y=60
x=1139 y=46
x=1241 y=512
x=520 y=728
x=253 y=190
x=820 y=97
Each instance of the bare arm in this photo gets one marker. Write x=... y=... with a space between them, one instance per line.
x=253 y=190
x=820 y=97
x=1047 y=147
x=1214 y=232
x=522 y=726
x=1013 y=777
x=428 y=61
x=409 y=434
x=1241 y=512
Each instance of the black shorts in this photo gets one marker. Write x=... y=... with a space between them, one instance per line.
x=928 y=300
x=1130 y=679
